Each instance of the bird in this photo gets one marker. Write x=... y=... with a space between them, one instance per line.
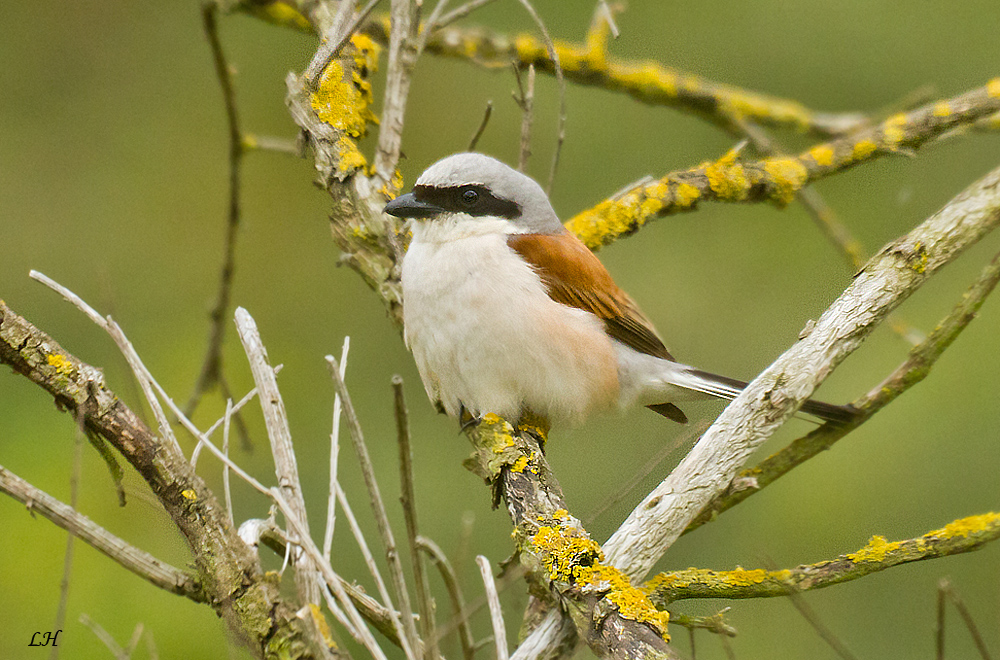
x=507 y=312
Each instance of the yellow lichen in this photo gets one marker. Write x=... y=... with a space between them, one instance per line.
x=528 y=48
x=745 y=106
x=822 y=154
x=62 y=364
x=942 y=109
x=727 y=178
x=685 y=195
x=863 y=149
x=189 y=494
x=892 y=129
x=279 y=13
x=993 y=88
x=576 y=559
x=344 y=101
x=520 y=463
x=787 y=176
x=608 y=220
x=965 y=526
x=875 y=551
x=597 y=44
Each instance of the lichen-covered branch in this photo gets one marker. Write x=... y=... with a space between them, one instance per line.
x=914 y=369
x=963 y=535
x=778 y=179
x=886 y=281
x=228 y=572
x=614 y=618
x=589 y=64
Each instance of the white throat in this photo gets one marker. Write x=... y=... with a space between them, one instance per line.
x=449 y=227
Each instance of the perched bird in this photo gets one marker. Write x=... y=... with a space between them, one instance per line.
x=507 y=312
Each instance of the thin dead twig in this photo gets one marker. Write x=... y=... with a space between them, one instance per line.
x=454 y=594
x=331 y=508
x=409 y=502
x=561 y=80
x=482 y=126
x=410 y=640
x=496 y=612
x=74 y=492
x=946 y=589
x=525 y=99
x=143 y=564
x=211 y=370
x=280 y=436
x=461 y=12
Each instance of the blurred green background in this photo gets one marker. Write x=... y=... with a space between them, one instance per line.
x=113 y=182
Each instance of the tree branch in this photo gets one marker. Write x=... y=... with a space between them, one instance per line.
x=888 y=279
x=778 y=179
x=138 y=561
x=913 y=370
x=228 y=572
x=960 y=536
x=613 y=617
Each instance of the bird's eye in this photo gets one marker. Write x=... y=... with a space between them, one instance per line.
x=470 y=197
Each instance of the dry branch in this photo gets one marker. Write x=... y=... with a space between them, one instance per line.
x=913 y=370
x=888 y=279
x=141 y=563
x=228 y=572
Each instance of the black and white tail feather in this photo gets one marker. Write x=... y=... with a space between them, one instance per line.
x=727 y=388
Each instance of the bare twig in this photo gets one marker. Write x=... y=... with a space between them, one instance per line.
x=74 y=491
x=402 y=57
x=817 y=624
x=430 y=26
x=331 y=508
x=604 y=13
x=410 y=641
x=947 y=589
x=285 y=467
x=247 y=398
x=141 y=563
x=772 y=397
x=496 y=613
x=461 y=12
x=211 y=370
x=939 y=631
x=141 y=373
x=482 y=126
x=561 y=123
x=912 y=371
x=409 y=502
x=525 y=99
x=359 y=537
x=116 y=650
x=715 y=624
x=454 y=594
x=225 y=468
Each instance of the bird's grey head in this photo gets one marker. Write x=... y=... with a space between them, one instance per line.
x=479 y=186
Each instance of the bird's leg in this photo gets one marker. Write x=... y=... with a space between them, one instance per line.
x=467 y=419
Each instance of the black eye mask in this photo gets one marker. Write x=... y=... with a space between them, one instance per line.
x=472 y=199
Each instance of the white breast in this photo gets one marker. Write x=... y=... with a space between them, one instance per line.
x=484 y=332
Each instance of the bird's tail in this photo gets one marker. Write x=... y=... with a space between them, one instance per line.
x=728 y=388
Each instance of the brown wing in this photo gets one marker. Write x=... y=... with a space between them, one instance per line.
x=575 y=277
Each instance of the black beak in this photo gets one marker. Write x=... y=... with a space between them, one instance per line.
x=408 y=206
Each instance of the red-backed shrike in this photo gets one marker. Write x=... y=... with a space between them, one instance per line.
x=507 y=312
